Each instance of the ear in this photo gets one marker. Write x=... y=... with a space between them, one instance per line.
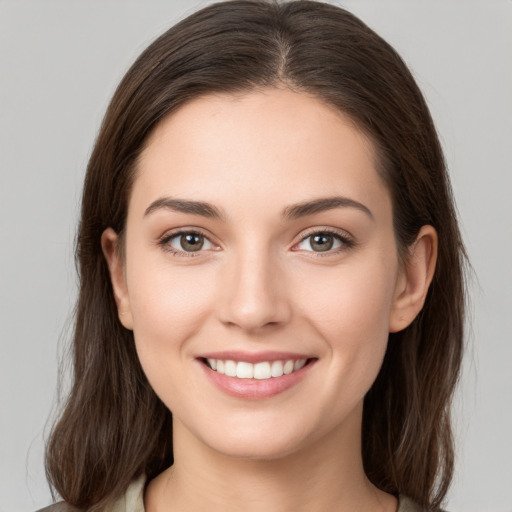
x=414 y=279
x=112 y=253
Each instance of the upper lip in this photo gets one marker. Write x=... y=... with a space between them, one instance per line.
x=254 y=357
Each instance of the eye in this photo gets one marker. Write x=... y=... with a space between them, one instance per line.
x=186 y=243
x=325 y=241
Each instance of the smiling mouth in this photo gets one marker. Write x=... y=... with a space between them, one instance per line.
x=263 y=370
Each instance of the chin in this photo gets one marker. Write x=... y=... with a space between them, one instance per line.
x=265 y=452
x=258 y=444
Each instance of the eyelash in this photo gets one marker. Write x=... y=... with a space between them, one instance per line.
x=164 y=242
x=344 y=238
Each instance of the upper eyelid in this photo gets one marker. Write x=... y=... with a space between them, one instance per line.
x=183 y=231
x=346 y=239
x=168 y=236
x=173 y=234
x=342 y=233
x=308 y=232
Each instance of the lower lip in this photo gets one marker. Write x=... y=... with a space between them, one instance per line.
x=255 y=389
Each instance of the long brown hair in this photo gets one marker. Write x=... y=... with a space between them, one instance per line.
x=113 y=427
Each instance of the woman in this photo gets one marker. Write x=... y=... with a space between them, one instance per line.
x=271 y=277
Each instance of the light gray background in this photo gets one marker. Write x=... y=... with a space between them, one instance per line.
x=59 y=64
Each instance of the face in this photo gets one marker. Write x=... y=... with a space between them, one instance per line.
x=261 y=276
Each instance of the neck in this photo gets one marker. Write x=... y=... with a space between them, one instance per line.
x=327 y=475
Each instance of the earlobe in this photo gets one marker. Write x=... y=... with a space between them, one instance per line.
x=110 y=247
x=414 y=279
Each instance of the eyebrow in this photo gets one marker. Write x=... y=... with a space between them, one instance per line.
x=291 y=212
x=186 y=206
x=298 y=210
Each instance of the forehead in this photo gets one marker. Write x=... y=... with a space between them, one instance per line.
x=262 y=147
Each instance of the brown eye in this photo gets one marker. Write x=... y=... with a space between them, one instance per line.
x=187 y=242
x=191 y=242
x=324 y=242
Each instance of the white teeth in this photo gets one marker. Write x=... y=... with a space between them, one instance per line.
x=288 y=367
x=230 y=368
x=244 y=370
x=261 y=371
x=277 y=369
x=299 y=364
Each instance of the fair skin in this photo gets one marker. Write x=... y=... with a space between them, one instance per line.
x=263 y=287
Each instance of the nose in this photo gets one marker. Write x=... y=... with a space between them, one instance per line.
x=255 y=295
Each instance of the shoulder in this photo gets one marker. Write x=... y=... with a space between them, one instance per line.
x=131 y=501
x=59 y=507
x=407 y=505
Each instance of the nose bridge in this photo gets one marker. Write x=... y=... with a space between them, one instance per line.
x=255 y=292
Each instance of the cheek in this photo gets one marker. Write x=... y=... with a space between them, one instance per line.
x=355 y=298
x=168 y=306
x=350 y=310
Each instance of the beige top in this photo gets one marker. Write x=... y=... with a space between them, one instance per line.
x=133 y=501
